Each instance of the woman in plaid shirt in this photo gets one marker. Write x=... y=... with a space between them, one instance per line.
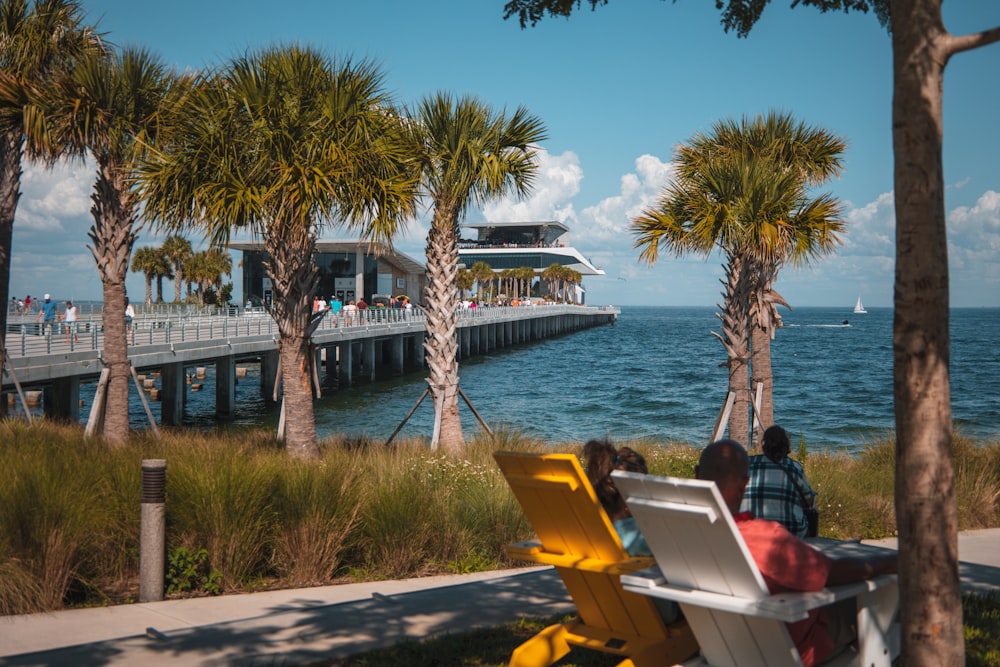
x=778 y=489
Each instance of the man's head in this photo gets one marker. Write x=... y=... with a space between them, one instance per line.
x=726 y=463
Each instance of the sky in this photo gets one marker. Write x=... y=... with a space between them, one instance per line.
x=618 y=89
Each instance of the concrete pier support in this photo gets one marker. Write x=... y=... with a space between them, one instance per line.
x=172 y=393
x=225 y=387
x=418 y=350
x=368 y=358
x=330 y=380
x=398 y=355
x=61 y=399
x=345 y=352
x=268 y=374
x=465 y=342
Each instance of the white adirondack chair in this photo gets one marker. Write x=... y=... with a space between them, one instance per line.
x=711 y=574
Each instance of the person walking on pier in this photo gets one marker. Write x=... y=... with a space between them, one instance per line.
x=129 y=316
x=47 y=314
x=69 y=317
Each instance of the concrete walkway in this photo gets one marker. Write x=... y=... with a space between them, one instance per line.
x=294 y=627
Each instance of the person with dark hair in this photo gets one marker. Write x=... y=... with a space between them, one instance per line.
x=789 y=564
x=778 y=489
x=601 y=459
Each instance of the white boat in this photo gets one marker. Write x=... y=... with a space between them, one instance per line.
x=859 y=307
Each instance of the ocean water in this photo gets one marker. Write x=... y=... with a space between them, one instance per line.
x=656 y=373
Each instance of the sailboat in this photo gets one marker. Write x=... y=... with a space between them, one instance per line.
x=859 y=307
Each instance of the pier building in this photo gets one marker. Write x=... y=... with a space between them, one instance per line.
x=537 y=245
x=350 y=269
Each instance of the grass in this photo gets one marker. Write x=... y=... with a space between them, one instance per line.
x=242 y=516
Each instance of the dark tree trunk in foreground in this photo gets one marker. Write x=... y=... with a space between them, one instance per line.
x=930 y=598
x=10 y=192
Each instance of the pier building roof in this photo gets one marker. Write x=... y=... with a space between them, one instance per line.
x=511 y=245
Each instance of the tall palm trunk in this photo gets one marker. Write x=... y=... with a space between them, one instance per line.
x=294 y=277
x=442 y=329
x=113 y=234
x=926 y=514
x=10 y=192
x=735 y=321
x=178 y=282
x=159 y=288
x=764 y=316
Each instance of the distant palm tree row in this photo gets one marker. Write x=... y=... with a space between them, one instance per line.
x=516 y=283
x=176 y=260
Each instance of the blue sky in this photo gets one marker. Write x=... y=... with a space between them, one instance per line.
x=618 y=89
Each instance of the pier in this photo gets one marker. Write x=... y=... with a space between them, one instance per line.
x=48 y=363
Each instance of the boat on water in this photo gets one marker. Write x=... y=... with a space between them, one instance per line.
x=859 y=307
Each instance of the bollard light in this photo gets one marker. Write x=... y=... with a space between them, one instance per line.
x=152 y=533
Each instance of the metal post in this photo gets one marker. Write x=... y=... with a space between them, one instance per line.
x=152 y=531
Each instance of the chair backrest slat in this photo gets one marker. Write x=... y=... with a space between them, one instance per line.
x=564 y=510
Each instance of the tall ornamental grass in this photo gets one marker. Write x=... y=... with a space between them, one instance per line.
x=242 y=516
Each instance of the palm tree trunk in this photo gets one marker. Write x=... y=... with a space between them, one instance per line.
x=159 y=288
x=10 y=192
x=296 y=376
x=178 y=282
x=442 y=326
x=926 y=514
x=149 y=289
x=735 y=340
x=293 y=273
x=762 y=376
x=113 y=234
x=763 y=314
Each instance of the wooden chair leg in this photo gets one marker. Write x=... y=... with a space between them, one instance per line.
x=543 y=649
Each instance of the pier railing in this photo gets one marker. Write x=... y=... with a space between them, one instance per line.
x=27 y=337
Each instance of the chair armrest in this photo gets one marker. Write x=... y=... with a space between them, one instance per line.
x=787 y=607
x=534 y=552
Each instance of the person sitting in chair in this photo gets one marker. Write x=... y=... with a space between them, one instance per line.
x=788 y=563
x=601 y=459
x=778 y=489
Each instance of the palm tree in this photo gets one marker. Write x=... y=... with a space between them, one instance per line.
x=526 y=276
x=37 y=44
x=150 y=262
x=573 y=278
x=482 y=273
x=206 y=268
x=553 y=275
x=742 y=189
x=280 y=142
x=109 y=107
x=178 y=251
x=464 y=281
x=471 y=154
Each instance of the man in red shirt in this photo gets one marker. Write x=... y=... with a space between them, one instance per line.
x=786 y=562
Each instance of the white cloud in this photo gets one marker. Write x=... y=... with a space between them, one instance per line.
x=53 y=197
x=556 y=183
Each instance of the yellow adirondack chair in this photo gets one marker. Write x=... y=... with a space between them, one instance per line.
x=576 y=536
